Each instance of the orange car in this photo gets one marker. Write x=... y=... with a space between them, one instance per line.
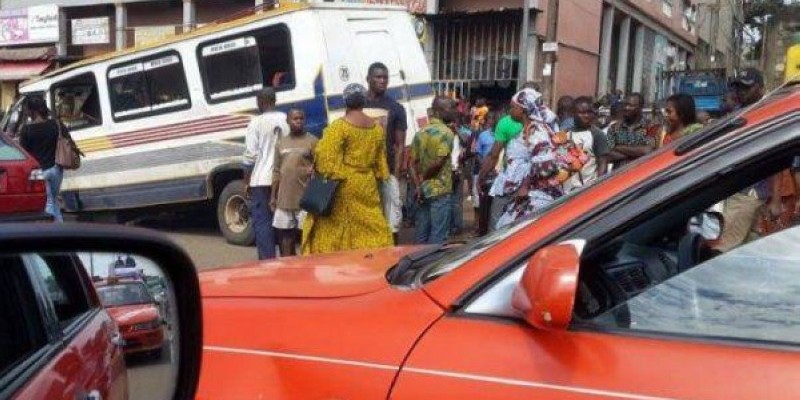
x=621 y=291
x=136 y=314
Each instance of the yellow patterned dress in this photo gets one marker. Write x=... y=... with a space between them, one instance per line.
x=357 y=157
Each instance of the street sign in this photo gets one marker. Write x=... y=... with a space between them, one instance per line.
x=550 y=47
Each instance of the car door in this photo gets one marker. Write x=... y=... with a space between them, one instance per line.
x=89 y=363
x=26 y=344
x=724 y=327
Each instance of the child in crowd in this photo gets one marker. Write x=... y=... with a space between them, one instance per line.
x=293 y=166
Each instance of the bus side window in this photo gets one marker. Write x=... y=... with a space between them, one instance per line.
x=148 y=86
x=77 y=103
x=238 y=66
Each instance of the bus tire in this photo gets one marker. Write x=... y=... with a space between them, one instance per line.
x=233 y=215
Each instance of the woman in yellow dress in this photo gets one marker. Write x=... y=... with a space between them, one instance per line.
x=352 y=150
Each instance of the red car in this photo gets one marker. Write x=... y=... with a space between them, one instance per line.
x=22 y=186
x=57 y=342
x=136 y=314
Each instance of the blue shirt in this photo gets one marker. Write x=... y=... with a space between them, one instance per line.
x=485 y=144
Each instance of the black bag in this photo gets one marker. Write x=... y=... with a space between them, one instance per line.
x=319 y=196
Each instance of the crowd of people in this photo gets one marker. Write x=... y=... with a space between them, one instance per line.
x=511 y=160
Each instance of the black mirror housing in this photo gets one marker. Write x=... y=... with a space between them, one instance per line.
x=177 y=266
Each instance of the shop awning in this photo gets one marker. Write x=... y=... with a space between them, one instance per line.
x=20 y=71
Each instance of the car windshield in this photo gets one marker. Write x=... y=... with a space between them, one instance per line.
x=123 y=295
x=747 y=293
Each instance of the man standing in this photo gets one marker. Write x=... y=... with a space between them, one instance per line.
x=262 y=136
x=586 y=136
x=741 y=210
x=392 y=116
x=432 y=173
x=634 y=136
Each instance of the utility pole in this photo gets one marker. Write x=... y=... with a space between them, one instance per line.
x=551 y=57
x=525 y=43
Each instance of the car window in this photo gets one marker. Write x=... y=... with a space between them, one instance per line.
x=77 y=102
x=21 y=331
x=9 y=152
x=749 y=293
x=64 y=287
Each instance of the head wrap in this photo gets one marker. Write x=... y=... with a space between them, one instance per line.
x=531 y=101
x=355 y=93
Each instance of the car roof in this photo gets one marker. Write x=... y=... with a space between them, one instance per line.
x=779 y=102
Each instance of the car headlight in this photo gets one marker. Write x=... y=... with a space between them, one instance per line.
x=146 y=326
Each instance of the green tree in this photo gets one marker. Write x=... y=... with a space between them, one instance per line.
x=757 y=14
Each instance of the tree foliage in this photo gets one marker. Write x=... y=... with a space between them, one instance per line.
x=756 y=10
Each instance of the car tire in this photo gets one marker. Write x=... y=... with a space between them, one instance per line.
x=233 y=215
x=156 y=354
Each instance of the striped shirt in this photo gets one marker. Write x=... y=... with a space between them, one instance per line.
x=262 y=136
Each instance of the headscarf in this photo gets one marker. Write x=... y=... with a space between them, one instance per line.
x=531 y=101
x=355 y=94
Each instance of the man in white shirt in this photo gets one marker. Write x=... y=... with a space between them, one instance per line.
x=259 y=156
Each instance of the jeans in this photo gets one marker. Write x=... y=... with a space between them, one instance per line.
x=457 y=205
x=262 y=217
x=433 y=220
x=52 y=179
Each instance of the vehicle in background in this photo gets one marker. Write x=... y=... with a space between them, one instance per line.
x=707 y=88
x=22 y=187
x=136 y=313
x=164 y=124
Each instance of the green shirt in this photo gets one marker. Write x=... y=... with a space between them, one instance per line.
x=430 y=145
x=507 y=129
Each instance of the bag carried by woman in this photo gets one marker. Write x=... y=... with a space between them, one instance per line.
x=319 y=195
x=68 y=155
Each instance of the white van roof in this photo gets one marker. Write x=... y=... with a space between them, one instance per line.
x=215 y=27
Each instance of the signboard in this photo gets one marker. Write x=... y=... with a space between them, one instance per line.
x=414 y=6
x=90 y=31
x=37 y=24
x=149 y=34
x=550 y=47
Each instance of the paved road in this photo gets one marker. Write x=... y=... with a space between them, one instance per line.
x=198 y=234
x=201 y=238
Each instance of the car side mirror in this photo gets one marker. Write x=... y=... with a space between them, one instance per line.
x=545 y=296
x=69 y=289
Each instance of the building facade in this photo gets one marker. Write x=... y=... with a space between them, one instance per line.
x=474 y=47
x=719 y=34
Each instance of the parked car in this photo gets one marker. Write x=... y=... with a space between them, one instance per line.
x=136 y=313
x=611 y=293
x=22 y=188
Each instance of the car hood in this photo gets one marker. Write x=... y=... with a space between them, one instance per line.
x=326 y=276
x=133 y=314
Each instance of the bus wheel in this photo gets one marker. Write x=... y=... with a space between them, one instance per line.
x=233 y=215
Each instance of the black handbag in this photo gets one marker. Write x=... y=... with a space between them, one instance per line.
x=319 y=196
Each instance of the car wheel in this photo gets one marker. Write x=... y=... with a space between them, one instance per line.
x=233 y=215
